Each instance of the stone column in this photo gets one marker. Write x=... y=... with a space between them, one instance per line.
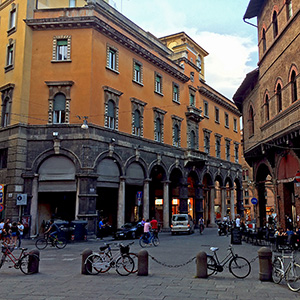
x=166 y=204
x=223 y=201
x=212 y=205
x=34 y=208
x=232 y=204
x=146 y=199
x=121 y=203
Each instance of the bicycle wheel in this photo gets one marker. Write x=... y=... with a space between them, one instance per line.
x=143 y=242
x=60 y=243
x=155 y=241
x=24 y=264
x=293 y=277
x=135 y=260
x=124 y=265
x=95 y=264
x=211 y=265
x=277 y=270
x=239 y=267
x=41 y=243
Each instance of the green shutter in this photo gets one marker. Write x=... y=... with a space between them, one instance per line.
x=62 y=42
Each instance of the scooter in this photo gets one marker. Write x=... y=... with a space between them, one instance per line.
x=222 y=228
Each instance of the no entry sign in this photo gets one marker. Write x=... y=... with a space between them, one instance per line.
x=297 y=177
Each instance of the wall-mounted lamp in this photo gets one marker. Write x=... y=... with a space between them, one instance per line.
x=55 y=134
x=113 y=140
x=85 y=124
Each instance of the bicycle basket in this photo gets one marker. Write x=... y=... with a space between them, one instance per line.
x=124 y=249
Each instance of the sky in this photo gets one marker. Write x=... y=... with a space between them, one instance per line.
x=216 y=25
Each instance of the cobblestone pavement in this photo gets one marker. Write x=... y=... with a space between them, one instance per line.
x=60 y=277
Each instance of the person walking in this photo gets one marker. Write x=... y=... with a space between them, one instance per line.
x=101 y=227
x=6 y=231
x=21 y=232
x=201 y=225
x=1 y=228
x=14 y=234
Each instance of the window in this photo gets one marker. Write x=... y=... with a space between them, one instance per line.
x=3 y=158
x=61 y=49
x=192 y=76
x=226 y=120
x=158 y=83
x=137 y=123
x=294 y=86
x=6 y=107
x=246 y=194
x=192 y=99
x=205 y=104
x=175 y=92
x=111 y=114
x=207 y=143
x=10 y=55
x=235 y=124
x=72 y=3
x=227 y=150
x=267 y=109
x=275 y=24
x=192 y=140
x=236 y=152
x=217 y=115
x=137 y=72
x=199 y=63
x=112 y=58
x=251 y=121
x=218 y=146
x=264 y=40
x=176 y=136
x=279 y=98
x=59 y=109
x=289 y=10
x=158 y=130
x=12 y=18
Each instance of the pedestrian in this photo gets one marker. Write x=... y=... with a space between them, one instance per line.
x=101 y=227
x=147 y=227
x=201 y=224
x=143 y=222
x=6 y=231
x=21 y=232
x=1 y=228
x=52 y=230
x=238 y=221
x=154 y=226
x=14 y=234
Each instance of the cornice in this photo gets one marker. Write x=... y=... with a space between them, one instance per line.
x=6 y=3
x=204 y=91
x=107 y=30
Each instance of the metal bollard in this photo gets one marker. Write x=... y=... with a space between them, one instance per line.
x=265 y=264
x=143 y=263
x=85 y=254
x=34 y=261
x=201 y=265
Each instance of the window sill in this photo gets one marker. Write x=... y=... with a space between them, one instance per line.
x=137 y=82
x=159 y=93
x=61 y=61
x=218 y=122
x=206 y=116
x=226 y=126
x=176 y=101
x=11 y=31
x=8 y=68
x=113 y=70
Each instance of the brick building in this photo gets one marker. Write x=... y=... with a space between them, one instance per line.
x=114 y=122
x=269 y=101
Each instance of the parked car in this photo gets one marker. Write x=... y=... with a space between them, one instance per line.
x=131 y=230
x=182 y=223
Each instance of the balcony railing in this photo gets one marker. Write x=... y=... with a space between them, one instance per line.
x=193 y=113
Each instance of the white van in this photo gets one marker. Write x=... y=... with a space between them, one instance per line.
x=182 y=223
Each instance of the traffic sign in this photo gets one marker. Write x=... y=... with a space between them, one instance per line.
x=254 y=201
x=1 y=207
x=297 y=177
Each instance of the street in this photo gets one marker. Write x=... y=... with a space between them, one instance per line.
x=60 y=277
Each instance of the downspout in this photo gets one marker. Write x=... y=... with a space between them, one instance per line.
x=250 y=23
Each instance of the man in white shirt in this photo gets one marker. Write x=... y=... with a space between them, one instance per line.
x=238 y=221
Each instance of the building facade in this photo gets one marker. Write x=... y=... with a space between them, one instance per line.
x=118 y=123
x=269 y=101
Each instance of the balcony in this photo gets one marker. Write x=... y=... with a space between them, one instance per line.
x=194 y=114
x=194 y=156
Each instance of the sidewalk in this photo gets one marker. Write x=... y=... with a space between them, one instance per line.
x=60 y=278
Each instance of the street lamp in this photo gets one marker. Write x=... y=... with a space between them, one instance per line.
x=85 y=124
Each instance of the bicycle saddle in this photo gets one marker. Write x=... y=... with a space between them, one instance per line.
x=103 y=247
x=214 y=249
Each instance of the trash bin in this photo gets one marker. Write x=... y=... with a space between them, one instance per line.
x=80 y=230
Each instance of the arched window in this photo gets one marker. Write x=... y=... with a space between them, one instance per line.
x=264 y=42
x=5 y=112
x=294 y=86
x=111 y=114
x=289 y=10
x=275 y=24
x=267 y=108
x=59 y=108
x=137 y=123
x=251 y=121
x=176 y=136
x=158 y=130
x=193 y=139
x=279 y=98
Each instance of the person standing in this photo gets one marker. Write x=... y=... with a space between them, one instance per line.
x=238 y=221
x=1 y=228
x=101 y=227
x=147 y=227
x=201 y=224
x=14 y=234
x=21 y=232
x=6 y=231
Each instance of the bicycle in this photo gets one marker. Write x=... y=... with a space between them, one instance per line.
x=23 y=262
x=152 y=239
x=58 y=242
x=238 y=265
x=291 y=274
x=101 y=262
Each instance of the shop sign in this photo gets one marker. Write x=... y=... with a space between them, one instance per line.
x=2 y=194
